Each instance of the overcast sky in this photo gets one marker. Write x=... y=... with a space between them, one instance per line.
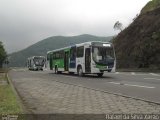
x=24 y=22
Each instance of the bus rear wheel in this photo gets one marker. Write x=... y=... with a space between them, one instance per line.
x=100 y=74
x=80 y=71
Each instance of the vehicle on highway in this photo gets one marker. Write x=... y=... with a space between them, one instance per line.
x=36 y=62
x=83 y=58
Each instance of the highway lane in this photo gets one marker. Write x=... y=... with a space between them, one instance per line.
x=127 y=84
x=139 y=85
x=43 y=92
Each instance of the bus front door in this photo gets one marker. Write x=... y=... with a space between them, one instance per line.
x=66 y=60
x=87 y=60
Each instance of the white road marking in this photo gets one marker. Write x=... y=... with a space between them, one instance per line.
x=129 y=73
x=135 y=73
x=19 y=70
x=139 y=86
x=131 y=85
x=151 y=78
x=69 y=76
x=132 y=73
x=154 y=74
x=114 y=83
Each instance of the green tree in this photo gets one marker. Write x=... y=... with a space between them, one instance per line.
x=118 y=26
x=3 y=54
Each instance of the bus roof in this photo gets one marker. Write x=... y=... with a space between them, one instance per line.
x=36 y=56
x=79 y=44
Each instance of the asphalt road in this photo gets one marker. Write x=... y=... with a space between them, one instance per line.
x=140 y=85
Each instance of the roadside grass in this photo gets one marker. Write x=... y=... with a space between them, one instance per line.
x=8 y=100
x=2 y=77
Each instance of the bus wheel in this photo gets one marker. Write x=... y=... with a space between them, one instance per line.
x=71 y=73
x=80 y=71
x=59 y=72
x=100 y=74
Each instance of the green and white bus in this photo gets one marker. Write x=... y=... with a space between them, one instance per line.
x=83 y=58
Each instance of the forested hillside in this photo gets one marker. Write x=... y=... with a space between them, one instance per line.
x=151 y=5
x=18 y=59
x=138 y=46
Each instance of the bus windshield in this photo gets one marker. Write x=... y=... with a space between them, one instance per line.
x=102 y=54
x=39 y=61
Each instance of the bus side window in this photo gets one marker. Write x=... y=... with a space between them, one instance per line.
x=54 y=56
x=48 y=56
x=80 y=51
x=73 y=53
x=62 y=54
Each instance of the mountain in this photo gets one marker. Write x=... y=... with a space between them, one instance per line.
x=138 y=45
x=18 y=59
x=151 y=5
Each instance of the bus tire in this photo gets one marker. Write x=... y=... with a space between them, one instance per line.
x=100 y=74
x=80 y=71
x=59 y=72
x=71 y=73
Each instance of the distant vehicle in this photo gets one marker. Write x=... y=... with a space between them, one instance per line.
x=36 y=62
x=84 y=58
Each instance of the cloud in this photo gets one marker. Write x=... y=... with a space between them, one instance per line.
x=24 y=22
